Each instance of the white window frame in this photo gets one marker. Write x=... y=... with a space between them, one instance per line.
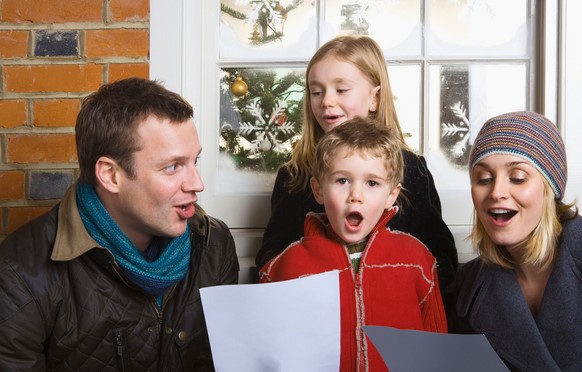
x=182 y=34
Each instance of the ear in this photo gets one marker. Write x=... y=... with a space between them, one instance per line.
x=107 y=173
x=375 y=99
x=393 y=196
x=317 y=190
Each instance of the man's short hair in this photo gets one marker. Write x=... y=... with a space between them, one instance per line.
x=108 y=121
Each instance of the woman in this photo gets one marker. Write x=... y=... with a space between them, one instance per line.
x=524 y=291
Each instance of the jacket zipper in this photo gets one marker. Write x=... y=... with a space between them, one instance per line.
x=357 y=277
x=119 y=343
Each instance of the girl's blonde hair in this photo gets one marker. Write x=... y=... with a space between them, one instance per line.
x=364 y=53
x=540 y=247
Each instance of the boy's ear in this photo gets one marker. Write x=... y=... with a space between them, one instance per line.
x=317 y=190
x=393 y=196
x=107 y=173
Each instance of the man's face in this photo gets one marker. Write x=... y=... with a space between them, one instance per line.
x=160 y=198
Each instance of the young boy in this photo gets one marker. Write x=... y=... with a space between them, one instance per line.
x=388 y=278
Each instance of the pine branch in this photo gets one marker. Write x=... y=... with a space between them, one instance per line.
x=231 y=12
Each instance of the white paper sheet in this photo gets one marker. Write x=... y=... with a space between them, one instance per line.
x=408 y=350
x=284 y=326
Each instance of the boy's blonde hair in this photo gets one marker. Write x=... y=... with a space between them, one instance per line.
x=540 y=247
x=364 y=53
x=363 y=136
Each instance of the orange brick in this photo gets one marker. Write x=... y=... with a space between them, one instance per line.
x=129 y=10
x=124 y=70
x=51 y=11
x=18 y=216
x=13 y=44
x=118 y=42
x=12 y=185
x=55 y=112
x=40 y=148
x=13 y=113
x=53 y=78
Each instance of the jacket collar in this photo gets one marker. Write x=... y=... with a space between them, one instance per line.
x=318 y=224
x=494 y=302
x=72 y=239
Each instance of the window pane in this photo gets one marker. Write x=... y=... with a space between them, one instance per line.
x=478 y=28
x=260 y=117
x=405 y=83
x=462 y=97
x=251 y=29
x=395 y=25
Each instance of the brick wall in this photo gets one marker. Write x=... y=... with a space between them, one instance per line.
x=52 y=54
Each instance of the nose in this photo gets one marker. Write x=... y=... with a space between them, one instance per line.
x=500 y=189
x=192 y=180
x=355 y=195
x=328 y=99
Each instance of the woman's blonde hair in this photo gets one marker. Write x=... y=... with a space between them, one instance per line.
x=364 y=53
x=540 y=247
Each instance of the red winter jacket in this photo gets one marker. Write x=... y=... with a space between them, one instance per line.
x=396 y=284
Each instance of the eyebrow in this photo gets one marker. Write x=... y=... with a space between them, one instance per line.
x=178 y=157
x=482 y=164
x=336 y=80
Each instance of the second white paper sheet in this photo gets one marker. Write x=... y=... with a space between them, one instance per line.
x=284 y=326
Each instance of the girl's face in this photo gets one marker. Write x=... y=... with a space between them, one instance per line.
x=339 y=92
x=508 y=194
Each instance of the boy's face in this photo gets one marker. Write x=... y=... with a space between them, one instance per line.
x=160 y=198
x=355 y=192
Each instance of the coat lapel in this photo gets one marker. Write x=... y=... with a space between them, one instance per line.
x=500 y=308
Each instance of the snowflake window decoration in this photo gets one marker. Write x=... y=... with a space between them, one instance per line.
x=459 y=129
x=258 y=129
x=266 y=131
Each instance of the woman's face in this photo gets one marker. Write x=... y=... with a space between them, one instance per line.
x=508 y=195
x=339 y=91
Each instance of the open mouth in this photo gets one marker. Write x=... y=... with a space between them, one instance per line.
x=354 y=219
x=186 y=210
x=331 y=117
x=502 y=215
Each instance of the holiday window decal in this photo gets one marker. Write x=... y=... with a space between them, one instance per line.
x=260 y=116
x=266 y=18
x=454 y=113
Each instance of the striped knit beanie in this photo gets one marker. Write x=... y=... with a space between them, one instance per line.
x=530 y=136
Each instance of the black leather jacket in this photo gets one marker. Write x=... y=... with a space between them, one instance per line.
x=66 y=306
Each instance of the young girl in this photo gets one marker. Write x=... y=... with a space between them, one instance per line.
x=524 y=291
x=387 y=278
x=348 y=77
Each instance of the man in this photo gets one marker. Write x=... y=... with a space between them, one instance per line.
x=109 y=279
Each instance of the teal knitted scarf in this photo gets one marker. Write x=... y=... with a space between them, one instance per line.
x=170 y=262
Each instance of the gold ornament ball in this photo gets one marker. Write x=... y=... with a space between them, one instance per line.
x=239 y=88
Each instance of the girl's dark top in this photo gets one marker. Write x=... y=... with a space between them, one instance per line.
x=420 y=216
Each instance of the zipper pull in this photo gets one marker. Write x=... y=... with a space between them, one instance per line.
x=119 y=344
x=358 y=283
